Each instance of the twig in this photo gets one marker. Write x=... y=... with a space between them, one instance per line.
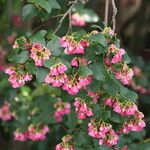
x=65 y=15
x=114 y=14
x=70 y=24
x=106 y=13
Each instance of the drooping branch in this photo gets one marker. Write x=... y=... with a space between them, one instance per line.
x=106 y=13
x=114 y=15
x=65 y=15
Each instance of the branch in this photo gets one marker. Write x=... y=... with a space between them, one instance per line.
x=114 y=14
x=106 y=13
x=65 y=15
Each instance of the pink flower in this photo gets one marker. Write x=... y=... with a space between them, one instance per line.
x=37 y=133
x=58 y=69
x=109 y=102
x=79 y=61
x=62 y=108
x=16 y=78
x=65 y=144
x=103 y=132
x=39 y=54
x=56 y=81
x=118 y=56
x=94 y=95
x=5 y=113
x=73 y=47
x=82 y=109
x=77 y=20
x=124 y=75
x=20 y=136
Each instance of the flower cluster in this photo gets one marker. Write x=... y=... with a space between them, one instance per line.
x=34 y=133
x=17 y=77
x=73 y=47
x=124 y=109
x=39 y=54
x=103 y=132
x=62 y=108
x=77 y=20
x=5 y=113
x=113 y=57
x=116 y=52
x=82 y=109
x=65 y=144
x=74 y=84
x=125 y=75
x=94 y=95
x=136 y=124
x=77 y=61
x=57 y=76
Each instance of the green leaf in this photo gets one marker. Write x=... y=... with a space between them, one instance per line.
x=89 y=15
x=127 y=94
x=31 y=68
x=20 y=57
x=98 y=38
x=39 y=37
x=54 y=4
x=29 y=11
x=115 y=117
x=50 y=62
x=99 y=70
x=54 y=46
x=42 y=3
x=84 y=71
x=41 y=74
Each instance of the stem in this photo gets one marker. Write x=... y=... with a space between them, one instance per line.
x=70 y=25
x=114 y=14
x=65 y=15
x=106 y=13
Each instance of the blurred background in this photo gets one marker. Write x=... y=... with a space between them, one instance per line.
x=133 y=29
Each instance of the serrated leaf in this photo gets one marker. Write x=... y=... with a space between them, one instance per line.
x=31 y=68
x=41 y=74
x=84 y=71
x=54 y=46
x=29 y=11
x=42 y=3
x=20 y=57
x=89 y=15
x=98 y=38
x=54 y=4
x=39 y=37
x=99 y=70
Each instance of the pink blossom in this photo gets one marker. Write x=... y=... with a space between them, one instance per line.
x=118 y=56
x=109 y=102
x=37 y=133
x=65 y=144
x=79 y=61
x=58 y=69
x=82 y=109
x=103 y=132
x=124 y=75
x=5 y=113
x=56 y=81
x=20 y=136
x=73 y=47
x=16 y=78
x=94 y=95
x=62 y=108
x=77 y=20
x=39 y=54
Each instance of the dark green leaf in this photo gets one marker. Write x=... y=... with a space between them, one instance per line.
x=84 y=71
x=41 y=74
x=54 y=46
